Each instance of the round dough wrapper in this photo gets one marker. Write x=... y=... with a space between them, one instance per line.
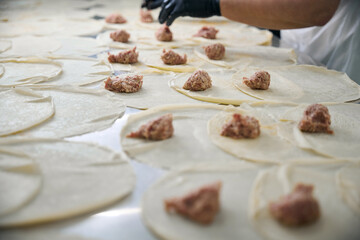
x=78 y=111
x=337 y=221
x=17 y=109
x=4 y=45
x=222 y=90
x=155 y=91
x=20 y=181
x=28 y=71
x=302 y=84
x=231 y=222
x=77 y=178
x=269 y=147
x=29 y=26
x=29 y=46
x=258 y=56
x=342 y=145
x=189 y=145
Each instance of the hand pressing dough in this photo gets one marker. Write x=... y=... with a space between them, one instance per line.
x=77 y=178
x=77 y=111
x=20 y=71
x=342 y=145
x=302 y=84
x=21 y=180
x=257 y=56
x=189 y=145
x=222 y=90
x=22 y=109
x=337 y=220
x=231 y=222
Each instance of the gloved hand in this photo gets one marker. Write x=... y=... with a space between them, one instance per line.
x=172 y=9
x=151 y=4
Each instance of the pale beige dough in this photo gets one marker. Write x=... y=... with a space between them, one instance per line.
x=18 y=107
x=4 y=45
x=337 y=220
x=77 y=178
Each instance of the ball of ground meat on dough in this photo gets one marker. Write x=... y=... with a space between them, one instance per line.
x=259 y=81
x=124 y=84
x=120 y=36
x=115 y=18
x=215 y=51
x=207 y=32
x=241 y=127
x=200 y=80
x=164 y=34
x=170 y=57
x=145 y=16
x=316 y=119
x=124 y=57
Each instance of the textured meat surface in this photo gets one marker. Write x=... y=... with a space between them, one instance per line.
x=200 y=205
x=164 y=34
x=158 y=129
x=316 y=119
x=241 y=127
x=145 y=16
x=124 y=57
x=215 y=51
x=200 y=80
x=207 y=32
x=297 y=208
x=115 y=18
x=259 y=81
x=126 y=84
x=120 y=36
x=170 y=57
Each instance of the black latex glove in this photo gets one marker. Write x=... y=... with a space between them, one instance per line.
x=151 y=4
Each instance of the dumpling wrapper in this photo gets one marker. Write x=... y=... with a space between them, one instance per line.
x=77 y=178
x=78 y=111
x=190 y=144
x=231 y=222
x=222 y=90
x=342 y=145
x=258 y=56
x=302 y=84
x=337 y=220
x=269 y=147
x=4 y=45
x=20 y=71
x=20 y=178
x=17 y=109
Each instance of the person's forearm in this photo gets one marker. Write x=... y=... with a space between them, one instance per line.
x=279 y=14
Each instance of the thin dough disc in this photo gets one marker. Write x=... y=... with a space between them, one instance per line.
x=78 y=111
x=17 y=109
x=303 y=84
x=343 y=144
x=222 y=90
x=258 y=56
x=78 y=178
x=29 y=46
x=231 y=222
x=20 y=181
x=4 y=45
x=28 y=71
x=189 y=145
x=267 y=148
x=337 y=221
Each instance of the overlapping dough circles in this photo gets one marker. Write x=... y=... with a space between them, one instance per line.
x=20 y=179
x=302 y=84
x=72 y=115
x=337 y=220
x=269 y=147
x=189 y=145
x=20 y=71
x=342 y=145
x=77 y=178
x=230 y=223
x=24 y=102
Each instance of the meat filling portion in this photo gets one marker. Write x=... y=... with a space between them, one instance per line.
x=120 y=36
x=198 y=81
x=241 y=127
x=124 y=57
x=158 y=129
x=127 y=84
x=170 y=57
x=115 y=18
x=297 y=208
x=164 y=34
x=145 y=16
x=215 y=51
x=200 y=205
x=207 y=32
x=259 y=81
x=316 y=119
